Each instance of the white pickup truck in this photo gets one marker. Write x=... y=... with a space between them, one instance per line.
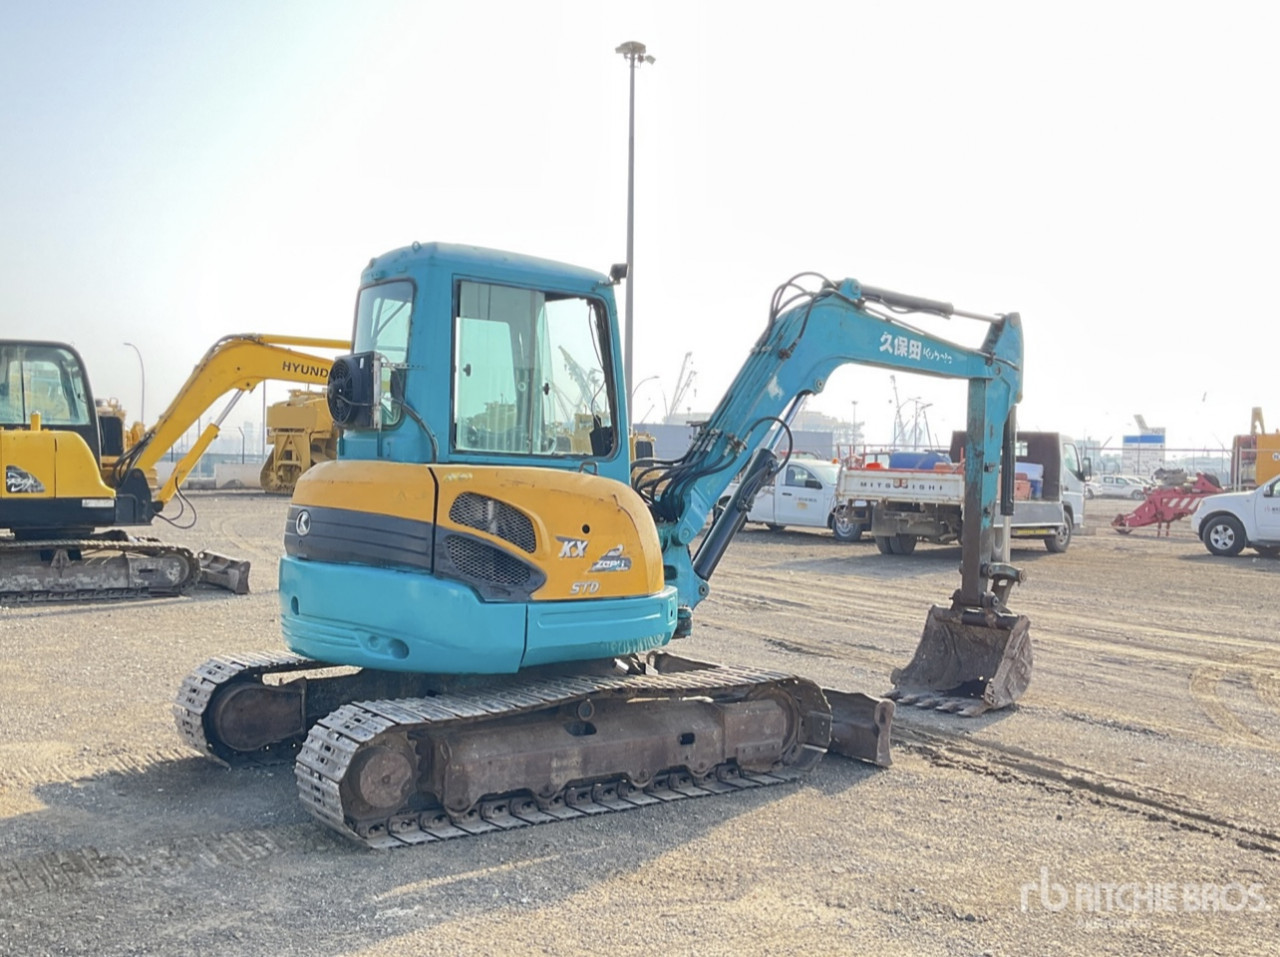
x=1232 y=521
x=802 y=494
x=905 y=505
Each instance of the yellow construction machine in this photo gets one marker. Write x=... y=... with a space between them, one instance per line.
x=300 y=430
x=72 y=468
x=1255 y=458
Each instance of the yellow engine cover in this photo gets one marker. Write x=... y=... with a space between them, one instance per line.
x=591 y=536
x=47 y=464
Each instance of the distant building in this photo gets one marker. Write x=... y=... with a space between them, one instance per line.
x=1141 y=455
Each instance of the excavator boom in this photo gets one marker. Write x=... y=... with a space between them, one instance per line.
x=238 y=363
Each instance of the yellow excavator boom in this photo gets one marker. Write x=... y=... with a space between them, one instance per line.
x=238 y=362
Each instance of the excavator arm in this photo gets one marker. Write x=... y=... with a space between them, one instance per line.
x=975 y=648
x=239 y=363
x=792 y=359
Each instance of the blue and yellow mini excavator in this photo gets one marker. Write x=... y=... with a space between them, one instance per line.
x=507 y=593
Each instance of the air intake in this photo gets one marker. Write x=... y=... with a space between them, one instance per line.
x=481 y=562
x=497 y=518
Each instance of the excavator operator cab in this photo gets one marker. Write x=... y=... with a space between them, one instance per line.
x=519 y=371
x=48 y=379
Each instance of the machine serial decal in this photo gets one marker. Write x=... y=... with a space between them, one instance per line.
x=572 y=547
x=611 y=561
x=302 y=524
x=22 y=481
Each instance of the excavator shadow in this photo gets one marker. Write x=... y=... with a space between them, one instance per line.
x=915 y=730
x=157 y=798
x=188 y=816
x=200 y=594
x=1251 y=560
x=925 y=560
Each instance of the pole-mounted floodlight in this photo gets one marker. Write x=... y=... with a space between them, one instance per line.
x=635 y=54
x=142 y=369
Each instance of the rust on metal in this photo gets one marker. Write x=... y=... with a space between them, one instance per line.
x=968 y=661
x=861 y=725
x=225 y=572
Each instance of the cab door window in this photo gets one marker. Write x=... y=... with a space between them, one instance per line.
x=528 y=374
x=799 y=477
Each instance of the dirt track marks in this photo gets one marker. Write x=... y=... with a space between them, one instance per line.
x=1242 y=697
x=63 y=870
x=1013 y=764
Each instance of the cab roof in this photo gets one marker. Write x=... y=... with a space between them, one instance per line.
x=480 y=262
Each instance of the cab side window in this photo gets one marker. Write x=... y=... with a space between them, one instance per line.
x=798 y=477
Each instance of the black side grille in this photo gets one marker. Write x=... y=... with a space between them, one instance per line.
x=496 y=518
x=482 y=562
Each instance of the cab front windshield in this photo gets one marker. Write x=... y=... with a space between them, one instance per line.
x=529 y=375
x=47 y=379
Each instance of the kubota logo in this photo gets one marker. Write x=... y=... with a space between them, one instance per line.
x=302 y=524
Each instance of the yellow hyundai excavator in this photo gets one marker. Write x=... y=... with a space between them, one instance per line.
x=71 y=469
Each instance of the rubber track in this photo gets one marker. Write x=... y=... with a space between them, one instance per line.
x=198 y=688
x=334 y=741
x=123 y=546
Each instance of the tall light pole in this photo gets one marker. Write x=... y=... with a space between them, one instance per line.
x=634 y=53
x=631 y=395
x=142 y=401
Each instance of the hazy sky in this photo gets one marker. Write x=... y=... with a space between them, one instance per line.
x=172 y=172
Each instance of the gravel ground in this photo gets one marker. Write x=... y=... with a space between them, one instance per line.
x=1125 y=806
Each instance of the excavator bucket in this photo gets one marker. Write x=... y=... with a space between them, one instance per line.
x=225 y=572
x=968 y=661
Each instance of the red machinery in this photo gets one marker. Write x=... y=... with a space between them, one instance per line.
x=1165 y=504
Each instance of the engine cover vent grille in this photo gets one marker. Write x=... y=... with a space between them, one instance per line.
x=484 y=563
x=495 y=517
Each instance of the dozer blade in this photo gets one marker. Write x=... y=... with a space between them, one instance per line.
x=968 y=661
x=860 y=723
x=225 y=572
x=860 y=726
